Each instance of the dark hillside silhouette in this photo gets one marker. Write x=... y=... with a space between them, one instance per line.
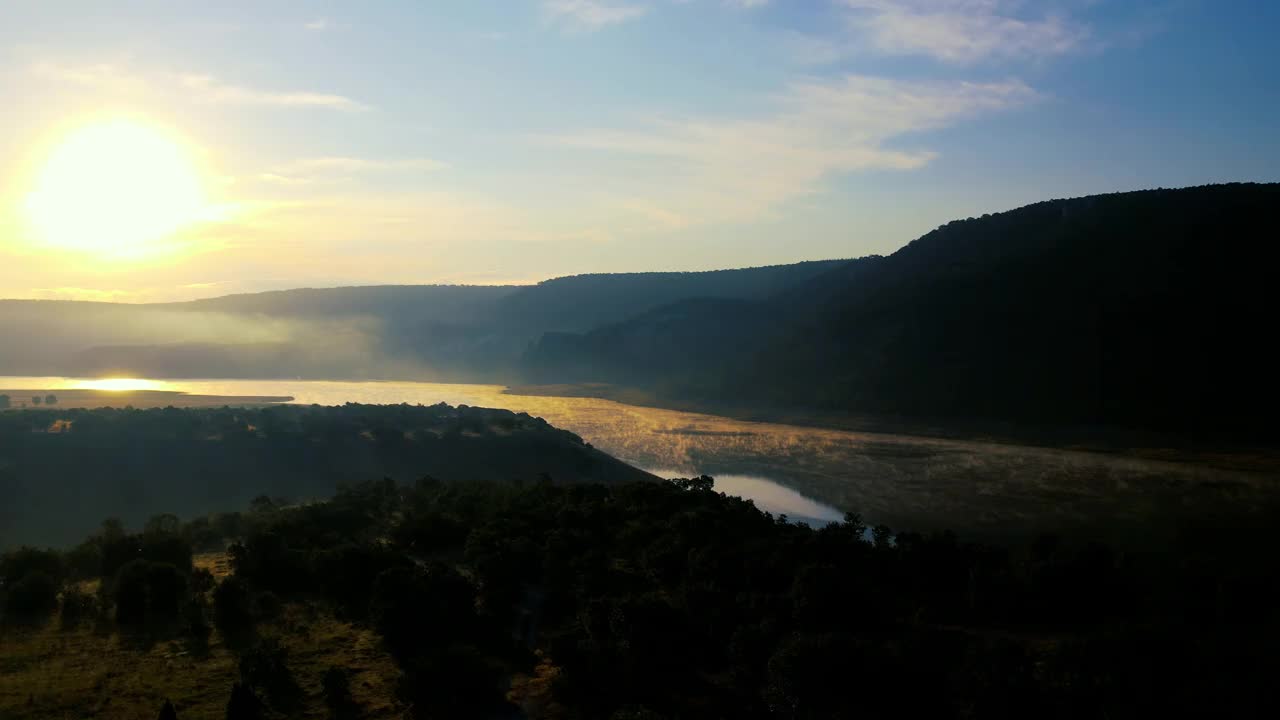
x=1145 y=309
x=583 y=302
x=61 y=471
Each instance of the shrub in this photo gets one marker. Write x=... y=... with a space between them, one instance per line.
x=244 y=703
x=266 y=667
x=148 y=591
x=231 y=602
x=34 y=596
x=267 y=606
x=202 y=581
x=336 y=686
x=76 y=607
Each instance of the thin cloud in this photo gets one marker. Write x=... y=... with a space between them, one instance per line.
x=738 y=169
x=279 y=179
x=199 y=88
x=356 y=164
x=318 y=25
x=207 y=88
x=336 y=169
x=961 y=31
x=593 y=14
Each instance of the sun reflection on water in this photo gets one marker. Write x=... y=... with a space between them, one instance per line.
x=121 y=384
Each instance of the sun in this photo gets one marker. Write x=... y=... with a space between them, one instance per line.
x=114 y=188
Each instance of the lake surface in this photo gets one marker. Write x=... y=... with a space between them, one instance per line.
x=816 y=474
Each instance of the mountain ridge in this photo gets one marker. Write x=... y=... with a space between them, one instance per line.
x=1082 y=311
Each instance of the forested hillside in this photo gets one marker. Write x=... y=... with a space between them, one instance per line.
x=1145 y=309
x=62 y=471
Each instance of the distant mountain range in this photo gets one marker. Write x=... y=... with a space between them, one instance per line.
x=423 y=332
x=1148 y=309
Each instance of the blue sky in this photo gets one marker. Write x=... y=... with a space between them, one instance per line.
x=482 y=142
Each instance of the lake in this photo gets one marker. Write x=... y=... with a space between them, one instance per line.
x=815 y=474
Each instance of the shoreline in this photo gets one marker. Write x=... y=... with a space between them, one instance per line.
x=1145 y=445
x=87 y=399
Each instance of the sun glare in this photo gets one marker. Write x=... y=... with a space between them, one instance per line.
x=122 y=384
x=114 y=188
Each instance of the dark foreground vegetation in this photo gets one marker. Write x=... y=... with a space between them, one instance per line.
x=657 y=600
x=62 y=470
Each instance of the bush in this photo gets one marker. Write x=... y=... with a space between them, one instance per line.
x=231 y=603
x=130 y=593
x=267 y=606
x=19 y=563
x=34 y=596
x=194 y=615
x=266 y=667
x=202 y=581
x=336 y=685
x=149 y=591
x=76 y=607
x=166 y=591
x=244 y=703
x=84 y=561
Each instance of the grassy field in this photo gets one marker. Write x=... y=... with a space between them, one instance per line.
x=52 y=673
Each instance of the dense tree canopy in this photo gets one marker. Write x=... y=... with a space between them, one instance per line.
x=138 y=463
x=672 y=600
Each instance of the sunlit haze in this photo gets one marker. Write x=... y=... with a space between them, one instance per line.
x=113 y=189
x=119 y=384
x=159 y=151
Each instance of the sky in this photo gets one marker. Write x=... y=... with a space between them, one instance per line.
x=487 y=141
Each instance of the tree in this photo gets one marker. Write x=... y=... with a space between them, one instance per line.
x=50 y=399
x=130 y=594
x=266 y=667
x=16 y=564
x=37 y=400
x=202 y=581
x=166 y=591
x=77 y=606
x=163 y=524
x=35 y=595
x=5 y=402
x=147 y=590
x=231 y=607
x=167 y=712
x=244 y=704
x=337 y=693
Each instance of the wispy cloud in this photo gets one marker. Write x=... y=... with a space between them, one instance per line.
x=336 y=168
x=195 y=87
x=734 y=169
x=962 y=31
x=318 y=25
x=207 y=88
x=593 y=14
x=356 y=164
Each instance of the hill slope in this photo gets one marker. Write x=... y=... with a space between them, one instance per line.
x=1144 y=309
x=62 y=471
x=421 y=332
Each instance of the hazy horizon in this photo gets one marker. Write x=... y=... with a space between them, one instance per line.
x=174 y=151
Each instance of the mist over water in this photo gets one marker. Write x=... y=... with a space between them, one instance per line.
x=815 y=474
